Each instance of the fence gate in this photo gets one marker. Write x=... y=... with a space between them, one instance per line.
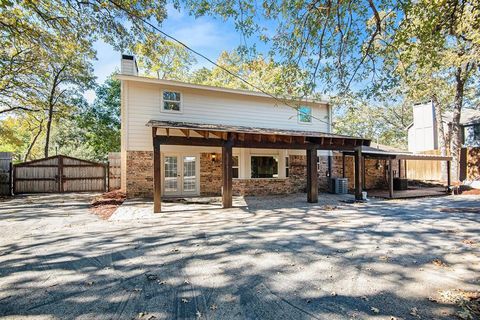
x=113 y=171
x=5 y=174
x=59 y=174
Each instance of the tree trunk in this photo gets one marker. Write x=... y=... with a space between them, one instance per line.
x=455 y=133
x=49 y=128
x=30 y=147
x=442 y=138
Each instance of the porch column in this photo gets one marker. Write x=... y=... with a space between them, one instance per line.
x=400 y=168
x=390 y=178
x=312 y=175
x=448 y=174
x=358 y=173
x=157 y=176
x=227 y=172
x=343 y=164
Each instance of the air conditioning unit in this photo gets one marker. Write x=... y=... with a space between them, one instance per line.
x=339 y=185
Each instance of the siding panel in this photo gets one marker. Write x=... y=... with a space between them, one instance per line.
x=144 y=101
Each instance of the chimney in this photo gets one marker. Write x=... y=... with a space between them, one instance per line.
x=129 y=65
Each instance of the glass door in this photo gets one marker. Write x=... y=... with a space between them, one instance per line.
x=189 y=175
x=172 y=175
x=180 y=175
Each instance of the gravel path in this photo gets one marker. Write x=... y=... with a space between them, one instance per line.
x=271 y=258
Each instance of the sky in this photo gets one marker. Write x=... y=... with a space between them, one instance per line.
x=206 y=35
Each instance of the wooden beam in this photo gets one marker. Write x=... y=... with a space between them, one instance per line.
x=168 y=131
x=217 y=134
x=312 y=176
x=157 y=176
x=390 y=178
x=343 y=165
x=358 y=173
x=192 y=141
x=227 y=172
x=186 y=132
x=204 y=134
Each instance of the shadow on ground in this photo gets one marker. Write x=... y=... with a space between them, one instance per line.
x=275 y=258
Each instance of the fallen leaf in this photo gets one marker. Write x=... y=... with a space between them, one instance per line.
x=468 y=241
x=414 y=312
x=185 y=300
x=375 y=310
x=151 y=276
x=333 y=294
x=365 y=298
x=439 y=263
x=213 y=307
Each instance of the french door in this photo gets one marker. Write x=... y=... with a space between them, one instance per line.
x=180 y=172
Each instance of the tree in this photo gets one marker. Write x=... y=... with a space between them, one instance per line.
x=281 y=80
x=164 y=59
x=100 y=122
x=438 y=54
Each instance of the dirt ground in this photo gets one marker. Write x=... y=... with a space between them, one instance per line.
x=273 y=258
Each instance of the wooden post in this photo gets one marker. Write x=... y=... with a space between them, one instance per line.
x=400 y=168
x=227 y=172
x=390 y=178
x=312 y=175
x=157 y=177
x=105 y=176
x=60 y=173
x=363 y=174
x=448 y=174
x=343 y=164
x=358 y=173
x=10 y=179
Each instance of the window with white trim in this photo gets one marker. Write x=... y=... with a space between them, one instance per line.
x=287 y=167
x=304 y=114
x=172 y=101
x=235 y=167
x=264 y=166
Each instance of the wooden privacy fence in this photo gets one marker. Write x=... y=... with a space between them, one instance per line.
x=59 y=174
x=113 y=171
x=5 y=174
x=425 y=170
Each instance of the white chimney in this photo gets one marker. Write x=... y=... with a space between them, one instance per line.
x=129 y=65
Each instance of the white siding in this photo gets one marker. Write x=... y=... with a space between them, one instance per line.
x=142 y=102
x=421 y=136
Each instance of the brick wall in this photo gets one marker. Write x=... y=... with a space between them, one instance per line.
x=139 y=174
x=473 y=163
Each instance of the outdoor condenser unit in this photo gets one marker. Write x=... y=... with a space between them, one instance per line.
x=339 y=185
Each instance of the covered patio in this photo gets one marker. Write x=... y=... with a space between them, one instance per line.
x=229 y=137
x=367 y=152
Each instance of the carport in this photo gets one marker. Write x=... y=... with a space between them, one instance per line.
x=228 y=137
x=365 y=152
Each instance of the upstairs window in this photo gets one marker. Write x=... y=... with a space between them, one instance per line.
x=172 y=101
x=304 y=114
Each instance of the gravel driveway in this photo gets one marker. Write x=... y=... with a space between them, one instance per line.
x=278 y=258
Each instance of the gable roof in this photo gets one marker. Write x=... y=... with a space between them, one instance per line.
x=468 y=117
x=181 y=84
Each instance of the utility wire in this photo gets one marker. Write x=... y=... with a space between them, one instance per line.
x=282 y=101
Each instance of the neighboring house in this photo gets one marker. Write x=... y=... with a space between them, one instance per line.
x=422 y=133
x=196 y=170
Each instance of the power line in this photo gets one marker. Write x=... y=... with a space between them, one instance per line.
x=214 y=63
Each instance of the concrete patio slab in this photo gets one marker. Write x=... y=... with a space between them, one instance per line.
x=275 y=258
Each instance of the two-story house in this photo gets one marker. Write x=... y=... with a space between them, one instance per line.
x=422 y=133
x=183 y=139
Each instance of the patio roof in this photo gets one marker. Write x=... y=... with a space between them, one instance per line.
x=253 y=137
x=370 y=152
